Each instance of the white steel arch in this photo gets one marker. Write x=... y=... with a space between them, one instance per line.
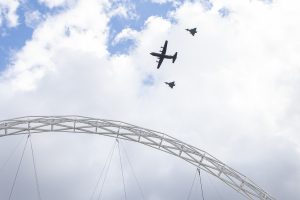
x=154 y=139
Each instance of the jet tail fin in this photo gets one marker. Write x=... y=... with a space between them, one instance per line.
x=174 y=57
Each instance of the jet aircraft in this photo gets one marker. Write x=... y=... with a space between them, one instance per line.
x=170 y=84
x=162 y=55
x=192 y=31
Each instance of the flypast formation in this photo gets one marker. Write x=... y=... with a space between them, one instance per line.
x=163 y=54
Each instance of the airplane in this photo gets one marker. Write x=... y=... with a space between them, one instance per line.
x=170 y=84
x=192 y=31
x=162 y=55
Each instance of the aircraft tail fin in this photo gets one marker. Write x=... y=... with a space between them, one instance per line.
x=174 y=57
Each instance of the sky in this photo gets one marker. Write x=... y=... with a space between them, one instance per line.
x=236 y=93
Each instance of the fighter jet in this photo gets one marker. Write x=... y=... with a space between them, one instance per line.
x=170 y=84
x=162 y=55
x=192 y=31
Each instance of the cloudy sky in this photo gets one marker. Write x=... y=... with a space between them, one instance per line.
x=236 y=95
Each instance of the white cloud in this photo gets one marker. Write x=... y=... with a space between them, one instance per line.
x=33 y=18
x=8 y=12
x=57 y=3
x=122 y=8
x=49 y=38
x=236 y=93
x=125 y=34
x=174 y=2
x=160 y=1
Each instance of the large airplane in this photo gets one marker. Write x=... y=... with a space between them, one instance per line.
x=193 y=31
x=170 y=84
x=162 y=55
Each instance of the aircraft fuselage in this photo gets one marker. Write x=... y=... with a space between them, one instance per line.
x=161 y=55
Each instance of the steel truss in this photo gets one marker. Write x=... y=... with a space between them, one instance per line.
x=125 y=131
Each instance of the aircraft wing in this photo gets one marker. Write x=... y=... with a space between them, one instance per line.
x=193 y=31
x=160 y=61
x=164 y=50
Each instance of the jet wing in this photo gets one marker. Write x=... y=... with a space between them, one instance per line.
x=193 y=31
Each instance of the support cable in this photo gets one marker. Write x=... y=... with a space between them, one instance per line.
x=192 y=186
x=43 y=124
x=198 y=169
x=122 y=170
x=135 y=177
x=14 y=182
x=11 y=154
x=106 y=173
x=35 y=170
x=103 y=169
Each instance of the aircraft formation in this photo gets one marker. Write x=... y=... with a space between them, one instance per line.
x=163 y=55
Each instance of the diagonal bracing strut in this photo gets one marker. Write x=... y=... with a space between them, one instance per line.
x=151 y=138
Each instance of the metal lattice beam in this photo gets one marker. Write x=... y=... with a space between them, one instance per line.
x=125 y=131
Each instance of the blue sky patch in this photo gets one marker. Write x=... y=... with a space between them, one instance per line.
x=122 y=47
x=224 y=12
x=148 y=80
x=207 y=4
x=13 y=39
x=143 y=9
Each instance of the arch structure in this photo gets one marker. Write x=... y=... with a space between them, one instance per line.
x=125 y=131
